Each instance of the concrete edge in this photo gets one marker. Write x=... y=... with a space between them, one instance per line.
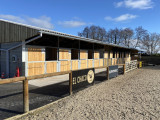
x=36 y=110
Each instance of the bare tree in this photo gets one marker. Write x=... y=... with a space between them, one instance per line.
x=155 y=43
x=114 y=36
x=93 y=32
x=126 y=35
x=140 y=33
x=151 y=43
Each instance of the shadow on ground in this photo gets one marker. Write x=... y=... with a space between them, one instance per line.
x=11 y=95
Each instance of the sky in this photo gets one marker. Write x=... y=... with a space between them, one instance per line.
x=72 y=16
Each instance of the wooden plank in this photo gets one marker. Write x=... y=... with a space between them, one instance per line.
x=64 y=54
x=83 y=64
x=106 y=54
x=74 y=65
x=100 y=62
x=36 y=54
x=51 y=67
x=111 y=54
x=109 y=62
x=47 y=75
x=83 y=54
x=25 y=96
x=70 y=83
x=124 y=67
x=107 y=73
x=90 y=63
x=65 y=66
x=11 y=80
x=36 y=68
x=96 y=54
x=105 y=62
x=96 y=63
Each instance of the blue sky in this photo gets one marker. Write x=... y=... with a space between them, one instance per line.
x=71 y=16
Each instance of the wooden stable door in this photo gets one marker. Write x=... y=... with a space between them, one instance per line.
x=65 y=59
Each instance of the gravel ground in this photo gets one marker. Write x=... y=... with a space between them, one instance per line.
x=133 y=96
x=41 y=92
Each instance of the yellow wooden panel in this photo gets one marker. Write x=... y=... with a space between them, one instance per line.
x=90 y=63
x=111 y=54
x=117 y=54
x=100 y=62
x=96 y=63
x=106 y=54
x=109 y=62
x=105 y=62
x=65 y=65
x=64 y=54
x=113 y=61
x=96 y=55
x=74 y=64
x=83 y=54
x=36 y=54
x=35 y=68
x=83 y=64
x=51 y=67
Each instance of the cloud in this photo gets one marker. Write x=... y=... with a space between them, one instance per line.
x=43 y=21
x=135 y=4
x=121 y=18
x=71 y=24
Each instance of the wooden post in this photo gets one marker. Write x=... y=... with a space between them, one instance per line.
x=25 y=96
x=124 y=67
x=108 y=73
x=70 y=83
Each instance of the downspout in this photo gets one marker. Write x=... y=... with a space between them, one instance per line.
x=7 y=51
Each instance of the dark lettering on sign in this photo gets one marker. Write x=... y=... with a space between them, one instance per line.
x=113 y=71
x=82 y=78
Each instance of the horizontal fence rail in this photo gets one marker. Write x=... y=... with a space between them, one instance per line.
x=106 y=63
x=131 y=65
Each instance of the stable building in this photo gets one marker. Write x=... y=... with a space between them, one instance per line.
x=38 y=51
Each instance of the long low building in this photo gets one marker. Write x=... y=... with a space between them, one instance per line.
x=38 y=51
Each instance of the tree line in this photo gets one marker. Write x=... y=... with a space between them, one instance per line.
x=138 y=38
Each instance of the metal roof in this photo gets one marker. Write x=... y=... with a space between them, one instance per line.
x=55 y=33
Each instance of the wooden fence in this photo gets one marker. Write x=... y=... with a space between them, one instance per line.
x=131 y=65
x=26 y=79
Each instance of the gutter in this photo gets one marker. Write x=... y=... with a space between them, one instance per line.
x=7 y=50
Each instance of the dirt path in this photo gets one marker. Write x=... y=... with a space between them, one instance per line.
x=133 y=96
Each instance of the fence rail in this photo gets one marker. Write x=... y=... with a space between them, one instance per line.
x=107 y=62
x=131 y=65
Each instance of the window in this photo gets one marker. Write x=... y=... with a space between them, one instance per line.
x=124 y=54
x=101 y=54
x=14 y=58
x=90 y=54
x=74 y=54
x=114 y=54
x=51 y=54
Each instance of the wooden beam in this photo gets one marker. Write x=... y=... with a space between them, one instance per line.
x=70 y=83
x=11 y=80
x=25 y=96
x=108 y=73
x=124 y=67
x=47 y=75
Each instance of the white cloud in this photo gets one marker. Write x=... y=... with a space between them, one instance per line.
x=121 y=18
x=43 y=21
x=71 y=24
x=135 y=4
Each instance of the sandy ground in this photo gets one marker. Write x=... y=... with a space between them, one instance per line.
x=133 y=96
